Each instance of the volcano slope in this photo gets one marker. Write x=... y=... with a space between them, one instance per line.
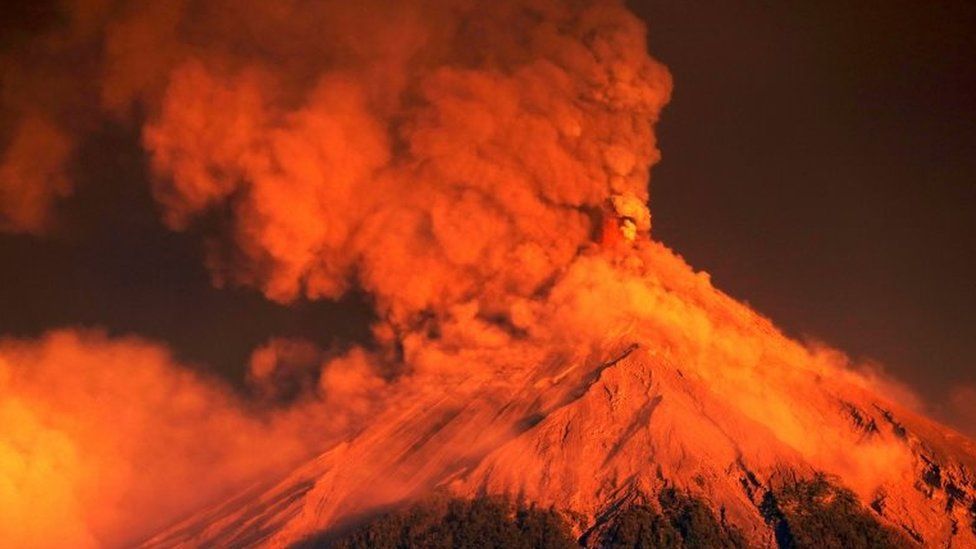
x=636 y=377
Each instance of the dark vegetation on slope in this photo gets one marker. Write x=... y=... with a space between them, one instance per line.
x=679 y=521
x=805 y=514
x=815 y=514
x=480 y=523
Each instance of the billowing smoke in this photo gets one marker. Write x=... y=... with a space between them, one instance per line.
x=429 y=152
x=84 y=417
x=440 y=153
x=101 y=437
x=480 y=169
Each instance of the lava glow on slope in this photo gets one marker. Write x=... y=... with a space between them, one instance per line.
x=480 y=172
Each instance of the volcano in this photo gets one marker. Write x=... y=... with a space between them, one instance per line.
x=683 y=389
x=530 y=367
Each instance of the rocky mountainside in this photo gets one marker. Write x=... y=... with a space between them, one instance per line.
x=685 y=389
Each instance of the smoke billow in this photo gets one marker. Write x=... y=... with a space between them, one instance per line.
x=440 y=153
x=95 y=428
x=429 y=152
x=102 y=436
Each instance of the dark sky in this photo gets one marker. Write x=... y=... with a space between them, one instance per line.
x=819 y=162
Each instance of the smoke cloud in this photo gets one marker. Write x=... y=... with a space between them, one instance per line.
x=462 y=160
x=100 y=437
x=97 y=432
x=426 y=151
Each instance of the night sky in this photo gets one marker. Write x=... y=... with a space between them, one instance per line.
x=818 y=161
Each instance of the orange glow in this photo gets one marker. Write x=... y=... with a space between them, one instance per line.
x=610 y=235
